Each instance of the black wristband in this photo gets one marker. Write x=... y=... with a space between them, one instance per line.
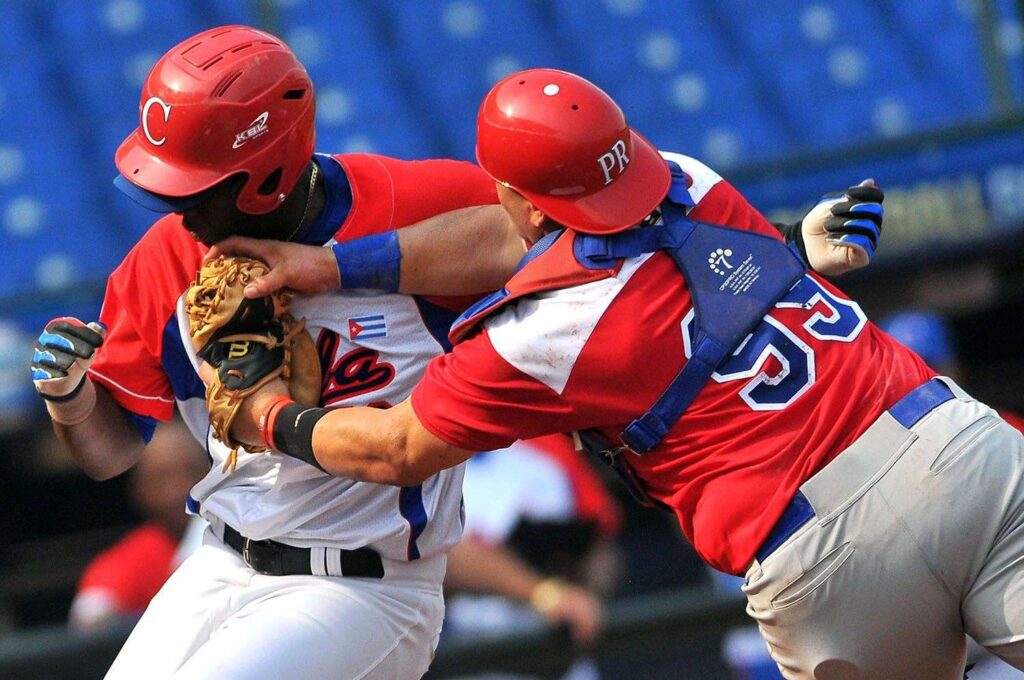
x=293 y=432
x=66 y=397
x=794 y=233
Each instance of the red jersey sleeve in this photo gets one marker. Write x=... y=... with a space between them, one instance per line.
x=473 y=399
x=389 y=193
x=725 y=205
x=140 y=301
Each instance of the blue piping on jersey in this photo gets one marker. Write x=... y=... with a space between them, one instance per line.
x=437 y=319
x=410 y=505
x=185 y=382
x=338 y=191
x=146 y=425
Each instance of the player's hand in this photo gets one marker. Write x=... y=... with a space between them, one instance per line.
x=304 y=269
x=841 y=232
x=245 y=427
x=62 y=355
x=576 y=607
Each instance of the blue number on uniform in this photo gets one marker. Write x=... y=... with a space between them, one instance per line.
x=841 y=321
x=844 y=320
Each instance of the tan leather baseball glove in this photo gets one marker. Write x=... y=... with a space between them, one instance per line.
x=249 y=342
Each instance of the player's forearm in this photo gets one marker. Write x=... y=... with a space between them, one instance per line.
x=105 y=443
x=382 y=446
x=467 y=251
x=478 y=567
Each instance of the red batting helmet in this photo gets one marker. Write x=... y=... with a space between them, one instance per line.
x=565 y=145
x=229 y=100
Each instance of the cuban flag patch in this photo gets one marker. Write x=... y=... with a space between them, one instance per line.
x=365 y=327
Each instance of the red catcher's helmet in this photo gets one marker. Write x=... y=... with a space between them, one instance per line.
x=228 y=100
x=564 y=144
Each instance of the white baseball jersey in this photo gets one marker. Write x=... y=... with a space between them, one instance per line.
x=372 y=348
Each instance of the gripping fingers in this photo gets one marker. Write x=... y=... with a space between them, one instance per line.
x=71 y=335
x=856 y=241
x=64 y=351
x=48 y=362
x=856 y=221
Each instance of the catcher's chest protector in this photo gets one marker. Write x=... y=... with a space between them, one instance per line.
x=735 y=277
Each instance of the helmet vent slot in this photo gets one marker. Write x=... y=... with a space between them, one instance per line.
x=269 y=185
x=221 y=89
x=294 y=94
x=210 y=64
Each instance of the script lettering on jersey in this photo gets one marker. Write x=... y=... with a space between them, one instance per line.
x=612 y=157
x=359 y=371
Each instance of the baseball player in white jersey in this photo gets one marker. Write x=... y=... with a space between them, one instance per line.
x=301 y=575
x=219 y=616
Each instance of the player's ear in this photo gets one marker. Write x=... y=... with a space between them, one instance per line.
x=536 y=218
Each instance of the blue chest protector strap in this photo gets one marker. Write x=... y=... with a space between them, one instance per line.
x=735 y=277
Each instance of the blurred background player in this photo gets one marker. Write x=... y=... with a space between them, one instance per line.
x=118 y=584
x=932 y=337
x=540 y=501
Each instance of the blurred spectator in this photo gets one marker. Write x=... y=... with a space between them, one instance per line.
x=930 y=336
x=119 y=583
x=537 y=545
x=16 y=397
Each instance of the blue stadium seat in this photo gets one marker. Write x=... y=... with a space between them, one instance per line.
x=19 y=34
x=1010 y=39
x=946 y=42
x=107 y=48
x=455 y=50
x=623 y=40
x=841 y=77
x=223 y=12
x=711 y=114
x=361 y=103
x=49 y=215
x=674 y=73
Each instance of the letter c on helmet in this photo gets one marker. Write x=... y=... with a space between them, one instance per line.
x=145 y=118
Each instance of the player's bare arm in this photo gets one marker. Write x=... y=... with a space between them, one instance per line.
x=101 y=439
x=106 y=443
x=480 y=567
x=463 y=252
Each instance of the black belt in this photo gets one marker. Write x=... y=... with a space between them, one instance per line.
x=907 y=411
x=277 y=559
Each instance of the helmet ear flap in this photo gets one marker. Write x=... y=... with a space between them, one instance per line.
x=270 y=184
